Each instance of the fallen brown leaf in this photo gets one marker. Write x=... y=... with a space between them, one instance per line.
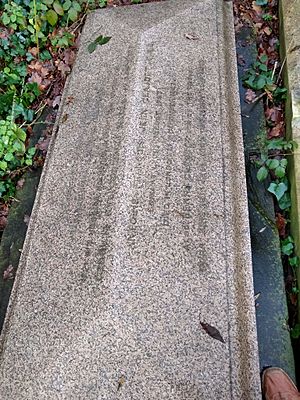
x=212 y=331
x=267 y=30
x=281 y=224
x=277 y=131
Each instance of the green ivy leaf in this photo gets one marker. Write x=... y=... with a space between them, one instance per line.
x=285 y=201
x=92 y=47
x=261 y=81
x=294 y=261
x=262 y=173
x=3 y=165
x=278 y=189
x=280 y=172
x=284 y=162
x=101 y=40
x=5 y=19
x=51 y=17
x=263 y=67
x=76 y=6
x=31 y=151
x=58 y=8
x=263 y=58
x=67 y=4
x=295 y=331
x=287 y=249
x=273 y=163
x=72 y=14
x=9 y=157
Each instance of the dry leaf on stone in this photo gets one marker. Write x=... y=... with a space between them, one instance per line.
x=121 y=382
x=191 y=36
x=70 y=100
x=64 y=118
x=212 y=331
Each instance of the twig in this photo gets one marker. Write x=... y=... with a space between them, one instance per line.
x=38 y=113
x=281 y=69
x=76 y=25
x=259 y=97
x=274 y=69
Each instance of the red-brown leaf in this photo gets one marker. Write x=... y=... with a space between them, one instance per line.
x=281 y=223
x=212 y=331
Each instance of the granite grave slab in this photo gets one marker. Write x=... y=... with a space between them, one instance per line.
x=140 y=227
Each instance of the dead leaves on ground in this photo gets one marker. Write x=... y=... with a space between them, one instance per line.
x=265 y=23
x=50 y=75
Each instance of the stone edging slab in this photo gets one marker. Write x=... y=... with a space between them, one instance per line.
x=290 y=53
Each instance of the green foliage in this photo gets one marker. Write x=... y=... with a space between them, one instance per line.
x=13 y=153
x=26 y=25
x=13 y=16
x=295 y=331
x=259 y=76
x=68 y=10
x=287 y=246
x=62 y=39
x=272 y=162
x=267 y=17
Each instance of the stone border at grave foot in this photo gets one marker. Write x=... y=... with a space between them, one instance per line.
x=290 y=54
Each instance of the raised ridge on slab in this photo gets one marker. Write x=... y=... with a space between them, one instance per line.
x=140 y=227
